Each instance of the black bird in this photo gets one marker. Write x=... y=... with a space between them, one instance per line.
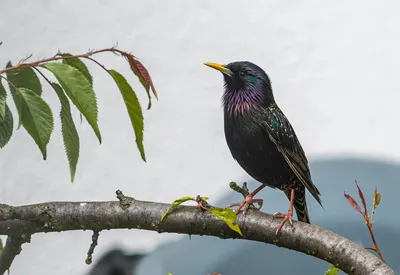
x=262 y=140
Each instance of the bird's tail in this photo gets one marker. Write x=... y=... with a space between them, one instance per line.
x=300 y=204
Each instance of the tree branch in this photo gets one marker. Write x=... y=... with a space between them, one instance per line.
x=129 y=213
x=11 y=250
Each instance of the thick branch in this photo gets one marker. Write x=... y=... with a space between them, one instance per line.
x=129 y=213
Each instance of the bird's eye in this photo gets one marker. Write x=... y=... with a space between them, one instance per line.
x=242 y=73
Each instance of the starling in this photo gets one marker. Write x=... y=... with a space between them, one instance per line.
x=262 y=140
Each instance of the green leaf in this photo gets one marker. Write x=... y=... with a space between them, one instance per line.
x=79 y=65
x=176 y=203
x=1 y=245
x=3 y=97
x=79 y=90
x=22 y=78
x=68 y=130
x=332 y=270
x=377 y=199
x=25 y=78
x=36 y=117
x=228 y=216
x=133 y=106
x=6 y=127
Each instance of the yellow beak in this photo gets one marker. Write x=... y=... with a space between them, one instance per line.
x=220 y=68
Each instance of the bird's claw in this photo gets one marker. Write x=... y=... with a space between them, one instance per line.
x=285 y=217
x=201 y=204
x=246 y=204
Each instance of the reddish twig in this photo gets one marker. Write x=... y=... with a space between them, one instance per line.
x=60 y=57
x=367 y=219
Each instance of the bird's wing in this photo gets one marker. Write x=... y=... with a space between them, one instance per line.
x=282 y=134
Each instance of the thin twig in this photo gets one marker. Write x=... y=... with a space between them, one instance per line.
x=42 y=74
x=6 y=79
x=375 y=246
x=98 y=63
x=95 y=238
x=368 y=221
x=60 y=57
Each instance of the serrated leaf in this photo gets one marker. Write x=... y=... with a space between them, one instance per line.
x=332 y=270
x=22 y=78
x=79 y=90
x=36 y=117
x=25 y=78
x=353 y=203
x=175 y=204
x=228 y=216
x=133 y=106
x=377 y=199
x=79 y=65
x=3 y=98
x=6 y=127
x=68 y=130
x=144 y=77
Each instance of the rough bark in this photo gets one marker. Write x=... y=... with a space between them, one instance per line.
x=19 y=222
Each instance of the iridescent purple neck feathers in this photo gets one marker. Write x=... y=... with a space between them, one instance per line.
x=242 y=102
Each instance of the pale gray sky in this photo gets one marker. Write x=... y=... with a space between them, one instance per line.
x=334 y=70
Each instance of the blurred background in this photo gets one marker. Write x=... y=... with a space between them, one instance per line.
x=334 y=68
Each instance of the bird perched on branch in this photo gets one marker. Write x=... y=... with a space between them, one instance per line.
x=262 y=140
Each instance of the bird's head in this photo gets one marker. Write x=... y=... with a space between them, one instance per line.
x=246 y=86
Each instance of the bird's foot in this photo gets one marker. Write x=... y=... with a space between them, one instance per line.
x=202 y=204
x=248 y=200
x=285 y=217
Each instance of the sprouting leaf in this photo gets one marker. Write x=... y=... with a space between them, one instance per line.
x=332 y=270
x=3 y=97
x=79 y=90
x=22 y=78
x=133 y=106
x=169 y=274
x=353 y=203
x=204 y=198
x=6 y=127
x=78 y=64
x=68 y=130
x=175 y=204
x=377 y=200
x=144 y=77
x=36 y=117
x=360 y=193
x=228 y=216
